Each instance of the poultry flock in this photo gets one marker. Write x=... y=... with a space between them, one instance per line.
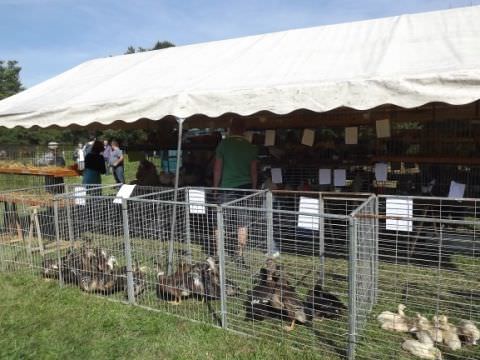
x=273 y=296
x=429 y=333
x=94 y=271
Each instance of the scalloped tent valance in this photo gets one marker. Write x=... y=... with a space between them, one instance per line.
x=408 y=61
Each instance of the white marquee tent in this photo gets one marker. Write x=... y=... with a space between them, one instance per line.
x=408 y=61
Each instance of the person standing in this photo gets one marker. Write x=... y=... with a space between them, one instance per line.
x=235 y=167
x=94 y=165
x=106 y=154
x=116 y=163
x=79 y=157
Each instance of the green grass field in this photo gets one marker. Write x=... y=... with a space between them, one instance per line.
x=38 y=320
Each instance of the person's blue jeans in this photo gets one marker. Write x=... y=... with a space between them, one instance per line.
x=119 y=174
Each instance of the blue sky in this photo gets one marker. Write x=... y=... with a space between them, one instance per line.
x=48 y=37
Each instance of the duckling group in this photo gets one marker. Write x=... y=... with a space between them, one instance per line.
x=274 y=296
x=94 y=271
x=200 y=280
x=429 y=333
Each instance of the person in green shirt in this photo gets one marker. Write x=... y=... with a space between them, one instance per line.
x=236 y=168
x=236 y=161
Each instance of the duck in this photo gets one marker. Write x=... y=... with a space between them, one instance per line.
x=319 y=303
x=139 y=283
x=210 y=279
x=391 y=316
x=174 y=287
x=421 y=323
x=284 y=297
x=258 y=300
x=50 y=268
x=468 y=331
x=421 y=350
x=97 y=282
x=112 y=281
x=425 y=338
x=449 y=333
x=397 y=322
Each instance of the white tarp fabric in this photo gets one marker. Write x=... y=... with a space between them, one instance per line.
x=408 y=61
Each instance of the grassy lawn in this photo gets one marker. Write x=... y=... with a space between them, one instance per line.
x=38 y=320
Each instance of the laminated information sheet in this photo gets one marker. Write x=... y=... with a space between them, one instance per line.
x=396 y=209
x=340 y=177
x=80 y=194
x=124 y=193
x=277 y=177
x=309 y=206
x=381 y=170
x=197 y=197
x=325 y=176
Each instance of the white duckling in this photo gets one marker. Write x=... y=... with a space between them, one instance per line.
x=449 y=332
x=397 y=322
x=425 y=338
x=469 y=331
x=391 y=316
x=423 y=324
x=421 y=350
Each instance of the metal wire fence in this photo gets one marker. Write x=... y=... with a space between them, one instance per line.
x=307 y=268
x=429 y=265
x=298 y=268
x=32 y=227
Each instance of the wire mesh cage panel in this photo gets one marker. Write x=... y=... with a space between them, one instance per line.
x=98 y=258
x=29 y=233
x=176 y=245
x=428 y=270
x=292 y=270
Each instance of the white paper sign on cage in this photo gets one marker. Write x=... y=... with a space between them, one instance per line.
x=277 y=177
x=197 y=197
x=381 y=171
x=80 y=194
x=396 y=209
x=125 y=192
x=339 y=177
x=324 y=176
x=309 y=206
x=457 y=190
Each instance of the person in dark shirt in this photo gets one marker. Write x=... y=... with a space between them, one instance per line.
x=94 y=165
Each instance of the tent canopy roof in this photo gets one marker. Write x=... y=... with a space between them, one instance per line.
x=408 y=61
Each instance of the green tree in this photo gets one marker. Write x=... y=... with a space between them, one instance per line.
x=158 y=45
x=9 y=78
x=162 y=45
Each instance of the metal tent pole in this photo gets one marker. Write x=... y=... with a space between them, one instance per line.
x=175 y=198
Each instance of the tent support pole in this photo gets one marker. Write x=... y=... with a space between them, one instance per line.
x=175 y=199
